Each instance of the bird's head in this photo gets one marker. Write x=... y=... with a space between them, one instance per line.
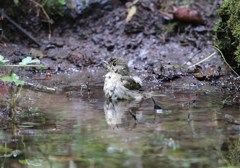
x=118 y=65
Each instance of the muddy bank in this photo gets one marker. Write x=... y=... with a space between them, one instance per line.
x=157 y=48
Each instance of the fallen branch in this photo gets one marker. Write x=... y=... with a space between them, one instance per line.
x=4 y=15
x=46 y=89
x=38 y=87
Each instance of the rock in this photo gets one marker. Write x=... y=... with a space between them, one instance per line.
x=83 y=7
x=79 y=59
x=58 y=53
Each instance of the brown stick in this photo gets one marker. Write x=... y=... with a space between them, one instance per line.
x=41 y=88
x=4 y=15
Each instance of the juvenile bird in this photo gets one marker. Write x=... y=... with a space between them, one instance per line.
x=119 y=84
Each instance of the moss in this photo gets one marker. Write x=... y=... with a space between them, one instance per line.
x=54 y=7
x=228 y=32
x=170 y=28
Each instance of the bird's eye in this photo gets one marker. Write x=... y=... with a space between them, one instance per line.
x=114 y=64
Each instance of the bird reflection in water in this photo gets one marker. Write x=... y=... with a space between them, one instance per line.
x=121 y=113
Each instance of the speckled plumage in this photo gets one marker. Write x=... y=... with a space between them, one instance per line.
x=119 y=84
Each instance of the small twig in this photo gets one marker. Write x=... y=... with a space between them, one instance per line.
x=21 y=66
x=203 y=60
x=167 y=15
x=4 y=15
x=226 y=61
x=46 y=15
x=192 y=57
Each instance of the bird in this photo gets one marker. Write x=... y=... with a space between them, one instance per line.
x=121 y=113
x=119 y=84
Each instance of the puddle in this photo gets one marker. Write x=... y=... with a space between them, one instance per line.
x=83 y=130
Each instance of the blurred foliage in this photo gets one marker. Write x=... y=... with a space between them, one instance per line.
x=233 y=156
x=16 y=2
x=14 y=78
x=3 y=60
x=228 y=32
x=54 y=7
x=28 y=60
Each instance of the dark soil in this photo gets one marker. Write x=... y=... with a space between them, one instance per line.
x=158 y=48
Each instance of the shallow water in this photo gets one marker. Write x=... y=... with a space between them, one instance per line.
x=81 y=129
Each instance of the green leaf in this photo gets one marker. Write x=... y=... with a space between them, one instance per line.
x=42 y=68
x=19 y=82
x=16 y=2
x=6 y=79
x=29 y=60
x=131 y=12
x=24 y=162
x=26 y=61
x=3 y=60
x=55 y=6
x=5 y=149
x=13 y=78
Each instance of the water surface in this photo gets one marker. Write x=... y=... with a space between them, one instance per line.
x=81 y=129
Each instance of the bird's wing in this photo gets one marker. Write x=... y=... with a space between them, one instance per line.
x=130 y=83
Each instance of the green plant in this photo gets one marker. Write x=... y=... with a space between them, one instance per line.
x=187 y=2
x=28 y=60
x=2 y=60
x=227 y=32
x=13 y=78
x=16 y=2
x=54 y=6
